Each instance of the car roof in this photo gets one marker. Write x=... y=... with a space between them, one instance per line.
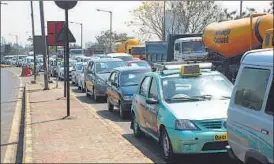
x=126 y=68
x=136 y=61
x=262 y=57
x=118 y=54
x=106 y=59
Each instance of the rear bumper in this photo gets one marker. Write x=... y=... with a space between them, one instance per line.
x=230 y=152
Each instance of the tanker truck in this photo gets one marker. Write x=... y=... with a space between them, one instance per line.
x=227 y=41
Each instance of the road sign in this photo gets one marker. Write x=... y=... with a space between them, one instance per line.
x=66 y=5
x=61 y=36
x=53 y=28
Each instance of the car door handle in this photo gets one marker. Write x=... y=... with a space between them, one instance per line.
x=264 y=131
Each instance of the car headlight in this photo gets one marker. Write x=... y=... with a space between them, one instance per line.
x=183 y=124
x=127 y=97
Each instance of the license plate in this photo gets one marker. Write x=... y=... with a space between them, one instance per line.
x=221 y=137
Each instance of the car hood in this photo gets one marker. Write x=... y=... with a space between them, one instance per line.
x=200 y=110
x=129 y=90
x=103 y=76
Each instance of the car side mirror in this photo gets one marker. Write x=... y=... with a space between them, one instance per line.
x=151 y=101
x=113 y=83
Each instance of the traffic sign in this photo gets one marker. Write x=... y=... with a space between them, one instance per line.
x=66 y=5
x=61 y=36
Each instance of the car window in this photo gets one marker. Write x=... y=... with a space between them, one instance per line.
x=153 y=90
x=111 y=78
x=89 y=67
x=251 y=88
x=144 y=86
x=131 y=78
x=93 y=68
x=116 y=78
x=270 y=102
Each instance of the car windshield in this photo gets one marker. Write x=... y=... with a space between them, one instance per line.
x=131 y=78
x=125 y=58
x=107 y=67
x=196 y=46
x=204 y=87
x=79 y=67
x=139 y=64
x=138 y=50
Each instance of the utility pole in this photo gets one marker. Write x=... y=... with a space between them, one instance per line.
x=164 y=22
x=33 y=42
x=81 y=24
x=110 y=39
x=44 y=47
x=241 y=8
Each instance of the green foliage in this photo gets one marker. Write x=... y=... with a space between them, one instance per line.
x=104 y=38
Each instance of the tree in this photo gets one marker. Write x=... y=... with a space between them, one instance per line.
x=104 y=38
x=270 y=9
x=182 y=16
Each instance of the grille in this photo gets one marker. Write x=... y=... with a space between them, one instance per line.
x=215 y=145
x=211 y=124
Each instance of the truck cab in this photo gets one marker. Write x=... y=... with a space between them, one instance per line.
x=190 y=48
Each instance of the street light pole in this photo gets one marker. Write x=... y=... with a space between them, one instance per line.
x=110 y=39
x=81 y=24
x=44 y=46
x=241 y=8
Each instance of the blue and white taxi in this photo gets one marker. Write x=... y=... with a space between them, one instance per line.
x=183 y=107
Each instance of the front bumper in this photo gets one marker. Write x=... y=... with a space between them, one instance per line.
x=196 y=142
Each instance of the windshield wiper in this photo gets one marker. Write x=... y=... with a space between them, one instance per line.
x=203 y=96
x=130 y=84
x=105 y=72
x=183 y=99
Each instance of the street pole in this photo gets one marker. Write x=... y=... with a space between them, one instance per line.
x=67 y=63
x=33 y=42
x=81 y=35
x=164 y=22
x=65 y=74
x=241 y=8
x=44 y=47
x=110 y=31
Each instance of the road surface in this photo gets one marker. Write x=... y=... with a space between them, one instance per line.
x=9 y=90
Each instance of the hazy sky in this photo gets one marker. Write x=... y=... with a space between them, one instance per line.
x=15 y=17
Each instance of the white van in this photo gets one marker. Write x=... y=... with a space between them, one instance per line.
x=191 y=48
x=251 y=109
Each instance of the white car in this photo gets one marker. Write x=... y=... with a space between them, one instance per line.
x=80 y=78
x=76 y=70
x=123 y=56
x=60 y=69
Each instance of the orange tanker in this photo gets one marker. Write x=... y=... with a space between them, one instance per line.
x=235 y=37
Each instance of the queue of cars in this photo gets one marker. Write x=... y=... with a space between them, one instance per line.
x=189 y=107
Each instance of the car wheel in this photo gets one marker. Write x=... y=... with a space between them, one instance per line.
x=166 y=145
x=136 y=129
x=79 y=87
x=110 y=106
x=95 y=97
x=121 y=111
x=82 y=88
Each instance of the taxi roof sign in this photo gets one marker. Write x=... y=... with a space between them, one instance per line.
x=190 y=70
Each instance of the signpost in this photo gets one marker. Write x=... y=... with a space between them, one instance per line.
x=66 y=5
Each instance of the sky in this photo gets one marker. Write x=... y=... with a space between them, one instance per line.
x=16 y=19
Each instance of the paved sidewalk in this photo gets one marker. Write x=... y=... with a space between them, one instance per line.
x=83 y=138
